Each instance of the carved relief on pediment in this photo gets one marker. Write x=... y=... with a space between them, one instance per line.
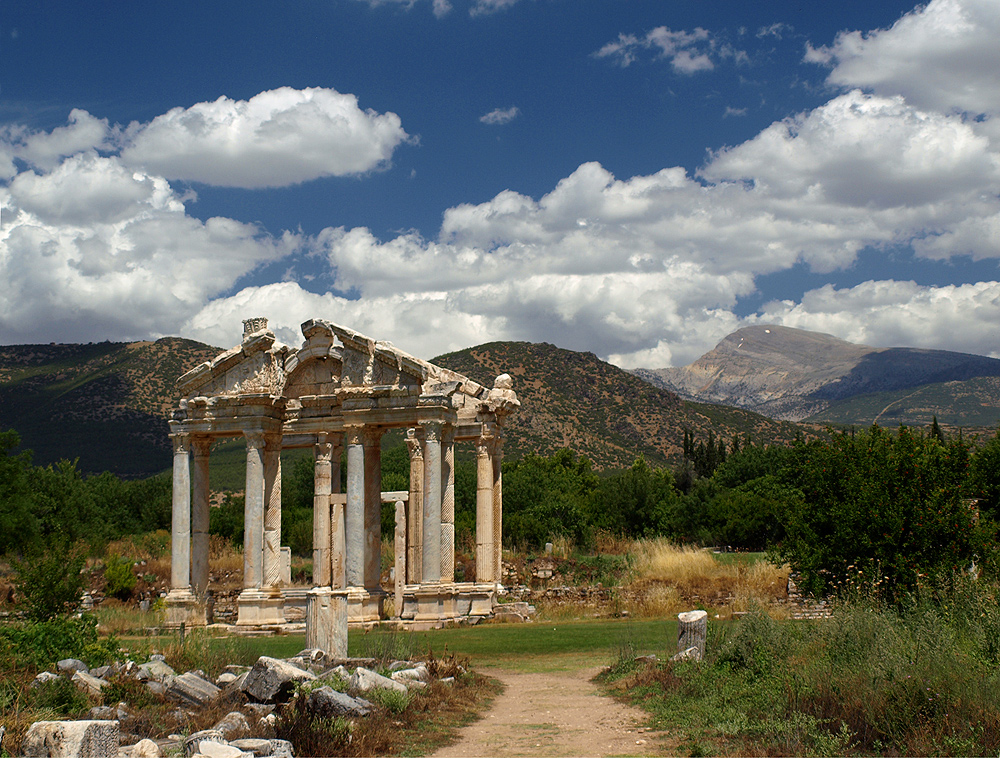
x=314 y=377
x=256 y=374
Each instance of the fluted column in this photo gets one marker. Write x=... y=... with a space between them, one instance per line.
x=355 y=511
x=338 y=523
x=180 y=522
x=484 y=509
x=272 y=512
x=200 y=447
x=498 y=510
x=253 y=513
x=373 y=508
x=448 y=504
x=432 y=503
x=415 y=510
x=322 y=488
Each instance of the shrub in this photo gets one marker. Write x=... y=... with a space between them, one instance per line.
x=50 y=583
x=118 y=577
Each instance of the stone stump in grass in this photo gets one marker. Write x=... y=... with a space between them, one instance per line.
x=692 y=627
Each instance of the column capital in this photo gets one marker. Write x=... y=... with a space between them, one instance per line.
x=448 y=434
x=323 y=451
x=433 y=430
x=354 y=434
x=272 y=439
x=201 y=446
x=372 y=435
x=182 y=442
x=255 y=438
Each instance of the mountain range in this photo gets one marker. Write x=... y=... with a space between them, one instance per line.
x=799 y=375
x=106 y=404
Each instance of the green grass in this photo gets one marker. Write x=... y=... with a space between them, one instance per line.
x=530 y=647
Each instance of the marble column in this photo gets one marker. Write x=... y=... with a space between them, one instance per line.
x=373 y=509
x=253 y=513
x=484 y=510
x=415 y=511
x=432 y=503
x=354 y=516
x=338 y=524
x=180 y=522
x=322 y=488
x=498 y=510
x=272 y=512
x=200 y=447
x=448 y=504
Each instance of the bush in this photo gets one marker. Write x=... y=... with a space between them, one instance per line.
x=39 y=644
x=50 y=583
x=118 y=577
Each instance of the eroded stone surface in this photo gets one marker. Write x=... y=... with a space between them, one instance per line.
x=326 y=702
x=192 y=689
x=364 y=680
x=272 y=680
x=71 y=739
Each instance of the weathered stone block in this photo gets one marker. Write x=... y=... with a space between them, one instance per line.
x=326 y=702
x=192 y=743
x=255 y=746
x=69 y=665
x=363 y=680
x=146 y=749
x=157 y=670
x=192 y=689
x=44 y=678
x=271 y=680
x=232 y=724
x=88 y=683
x=71 y=739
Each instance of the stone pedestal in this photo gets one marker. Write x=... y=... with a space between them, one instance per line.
x=257 y=608
x=326 y=621
x=182 y=607
x=482 y=596
x=434 y=602
x=364 y=606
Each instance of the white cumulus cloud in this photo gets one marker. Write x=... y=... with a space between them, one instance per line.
x=277 y=138
x=501 y=115
x=944 y=56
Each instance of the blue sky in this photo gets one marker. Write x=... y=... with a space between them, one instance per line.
x=636 y=178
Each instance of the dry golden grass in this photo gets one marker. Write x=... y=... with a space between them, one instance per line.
x=668 y=578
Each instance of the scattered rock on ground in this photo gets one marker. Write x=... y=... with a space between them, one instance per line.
x=364 y=680
x=271 y=680
x=326 y=702
x=69 y=665
x=192 y=689
x=72 y=739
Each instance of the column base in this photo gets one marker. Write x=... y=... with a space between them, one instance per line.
x=365 y=605
x=326 y=621
x=260 y=608
x=434 y=602
x=183 y=607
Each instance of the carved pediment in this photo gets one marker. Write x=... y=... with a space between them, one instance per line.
x=255 y=367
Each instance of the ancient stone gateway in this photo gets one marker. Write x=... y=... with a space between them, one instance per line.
x=339 y=391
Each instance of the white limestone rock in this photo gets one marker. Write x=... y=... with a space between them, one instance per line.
x=256 y=746
x=71 y=739
x=212 y=749
x=193 y=743
x=226 y=677
x=364 y=680
x=272 y=680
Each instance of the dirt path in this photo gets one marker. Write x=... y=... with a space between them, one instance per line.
x=555 y=714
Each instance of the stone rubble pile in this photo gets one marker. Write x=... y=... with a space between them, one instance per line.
x=326 y=688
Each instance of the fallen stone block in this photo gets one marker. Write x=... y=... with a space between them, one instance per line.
x=339 y=671
x=156 y=670
x=418 y=673
x=232 y=724
x=71 y=739
x=69 y=665
x=226 y=677
x=272 y=680
x=364 y=680
x=326 y=702
x=210 y=749
x=192 y=689
x=282 y=749
x=103 y=713
x=88 y=683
